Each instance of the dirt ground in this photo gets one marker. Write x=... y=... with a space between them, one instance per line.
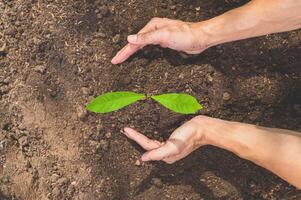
x=55 y=57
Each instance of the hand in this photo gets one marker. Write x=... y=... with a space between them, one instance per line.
x=173 y=34
x=182 y=142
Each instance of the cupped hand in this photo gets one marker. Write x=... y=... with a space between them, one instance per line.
x=182 y=142
x=173 y=34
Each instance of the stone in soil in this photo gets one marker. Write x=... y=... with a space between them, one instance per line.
x=82 y=113
x=157 y=182
x=116 y=39
x=226 y=96
x=40 y=68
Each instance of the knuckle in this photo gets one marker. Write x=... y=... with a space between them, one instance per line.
x=146 y=37
x=199 y=118
x=142 y=37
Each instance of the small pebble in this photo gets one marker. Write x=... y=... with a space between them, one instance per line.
x=104 y=145
x=82 y=113
x=173 y=7
x=157 y=182
x=62 y=181
x=209 y=78
x=3 y=47
x=1 y=145
x=108 y=135
x=54 y=178
x=181 y=76
x=138 y=163
x=4 y=89
x=226 y=96
x=100 y=34
x=40 y=68
x=99 y=15
x=86 y=91
x=116 y=39
x=7 y=80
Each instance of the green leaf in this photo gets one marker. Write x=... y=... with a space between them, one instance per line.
x=112 y=101
x=180 y=103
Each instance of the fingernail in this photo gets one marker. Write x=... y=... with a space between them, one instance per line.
x=145 y=157
x=113 y=61
x=138 y=163
x=132 y=38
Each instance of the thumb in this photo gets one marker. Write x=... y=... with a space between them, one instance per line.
x=152 y=37
x=165 y=151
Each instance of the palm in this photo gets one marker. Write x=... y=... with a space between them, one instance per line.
x=182 y=142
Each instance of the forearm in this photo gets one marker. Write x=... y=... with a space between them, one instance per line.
x=259 y=17
x=274 y=149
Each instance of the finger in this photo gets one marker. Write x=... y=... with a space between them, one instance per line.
x=156 y=23
x=153 y=37
x=195 y=52
x=167 y=150
x=125 y=53
x=169 y=160
x=141 y=139
x=174 y=158
x=130 y=49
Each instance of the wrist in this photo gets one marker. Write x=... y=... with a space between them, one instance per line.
x=241 y=23
x=211 y=131
x=226 y=135
x=201 y=37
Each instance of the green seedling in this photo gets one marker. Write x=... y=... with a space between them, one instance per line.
x=112 y=101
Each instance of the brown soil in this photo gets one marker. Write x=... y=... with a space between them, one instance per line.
x=57 y=58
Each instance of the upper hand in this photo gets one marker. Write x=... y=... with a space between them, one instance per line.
x=173 y=34
x=182 y=142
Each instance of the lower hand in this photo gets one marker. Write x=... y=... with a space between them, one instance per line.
x=173 y=34
x=182 y=142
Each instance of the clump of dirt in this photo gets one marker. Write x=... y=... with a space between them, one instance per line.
x=55 y=57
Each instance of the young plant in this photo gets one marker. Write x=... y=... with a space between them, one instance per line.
x=112 y=101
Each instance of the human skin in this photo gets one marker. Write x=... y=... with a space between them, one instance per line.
x=259 y=17
x=254 y=143
x=277 y=150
